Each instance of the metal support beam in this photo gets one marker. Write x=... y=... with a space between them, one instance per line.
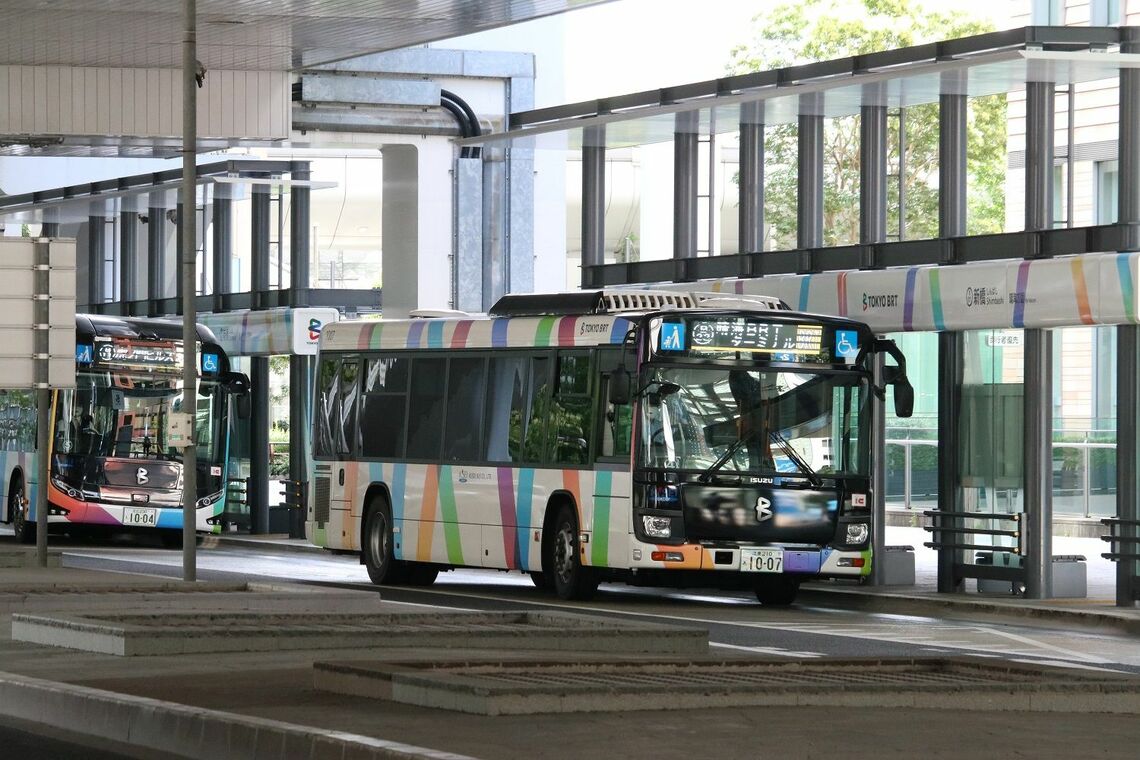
x=96 y=254
x=751 y=219
x=685 y=154
x=1039 y=118
x=952 y=136
x=299 y=247
x=1038 y=453
x=593 y=199
x=950 y=373
x=49 y=229
x=128 y=255
x=809 y=190
x=872 y=181
x=257 y=491
x=222 y=245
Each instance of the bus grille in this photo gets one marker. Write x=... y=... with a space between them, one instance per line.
x=321 y=500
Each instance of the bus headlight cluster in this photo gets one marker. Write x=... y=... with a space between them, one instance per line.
x=207 y=501
x=657 y=527
x=58 y=483
x=857 y=533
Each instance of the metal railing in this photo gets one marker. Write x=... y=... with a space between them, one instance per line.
x=979 y=569
x=236 y=512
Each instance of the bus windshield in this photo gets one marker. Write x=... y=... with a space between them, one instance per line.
x=116 y=414
x=755 y=422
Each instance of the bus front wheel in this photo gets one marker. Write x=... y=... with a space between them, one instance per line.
x=383 y=569
x=571 y=580
x=24 y=530
x=777 y=590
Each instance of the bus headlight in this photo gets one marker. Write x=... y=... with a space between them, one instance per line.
x=657 y=527
x=210 y=500
x=65 y=488
x=857 y=533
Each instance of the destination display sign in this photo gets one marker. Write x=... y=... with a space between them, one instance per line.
x=778 y=341
x=150 y=355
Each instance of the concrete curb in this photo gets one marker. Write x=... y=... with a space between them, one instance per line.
x=262 y=543
x=190 y=731
x=902 y=604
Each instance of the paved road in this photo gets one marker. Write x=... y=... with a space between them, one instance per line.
x=810 y=629
x=23 y=741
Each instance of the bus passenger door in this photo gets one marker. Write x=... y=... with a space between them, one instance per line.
x=611 y=525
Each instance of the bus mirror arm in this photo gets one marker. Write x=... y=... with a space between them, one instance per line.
x=896 y=376
x=619 y=386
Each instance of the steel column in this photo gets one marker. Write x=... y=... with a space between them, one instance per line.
x=593 y=200
x=1038 y=453
x=950 y=372
x=96 y=253
x=257 y=490
x=872 y=180
x=222 y=244
x=952 y=137
x=1038 y=408
x=155 y=258
x=809 y=189
x=751 y=219
x=685 y=154
x=128 y=255
x=259 y=241
x=1127 y=449
x=49 y=229
x=1039 y=119
x=300 y=404
x=299 y=246
x=188 y=268
x=1128 y=336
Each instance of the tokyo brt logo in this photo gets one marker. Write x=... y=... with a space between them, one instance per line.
x=314 y=329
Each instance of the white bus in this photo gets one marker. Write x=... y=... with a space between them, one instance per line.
x=648 y=437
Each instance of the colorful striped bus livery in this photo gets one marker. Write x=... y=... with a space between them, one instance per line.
x=647 y=437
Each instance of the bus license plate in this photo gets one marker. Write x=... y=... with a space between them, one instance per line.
x=140 y=516
x=761 y=560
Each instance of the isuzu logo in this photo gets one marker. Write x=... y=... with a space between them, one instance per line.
x=763 y=509
x=142 y=477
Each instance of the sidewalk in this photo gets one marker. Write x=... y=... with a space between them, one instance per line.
x=264 y=704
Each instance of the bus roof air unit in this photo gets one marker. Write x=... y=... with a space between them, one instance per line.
x=625 y=301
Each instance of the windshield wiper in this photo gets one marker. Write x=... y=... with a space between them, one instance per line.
x=728 y=454
x=791 y=453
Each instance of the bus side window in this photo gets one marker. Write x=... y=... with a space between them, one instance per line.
x=325 y=416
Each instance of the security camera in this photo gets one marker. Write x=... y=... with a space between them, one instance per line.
x=200 y=74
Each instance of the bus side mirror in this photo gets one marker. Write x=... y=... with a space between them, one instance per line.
x=619 y=386
x=904 y=399
x=237 y=384
x=244 y=407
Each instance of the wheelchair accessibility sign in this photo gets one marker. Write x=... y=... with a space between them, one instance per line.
x=846 y=345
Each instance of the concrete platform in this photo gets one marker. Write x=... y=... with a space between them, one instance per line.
x=586 y=684
x=25 y=556
x=162 y=633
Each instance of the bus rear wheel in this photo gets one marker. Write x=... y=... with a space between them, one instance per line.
x=571 y=580
x=377 y=545
x=777 y=590
x=25 y=531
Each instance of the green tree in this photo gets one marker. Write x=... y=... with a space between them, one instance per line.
x=818 y=30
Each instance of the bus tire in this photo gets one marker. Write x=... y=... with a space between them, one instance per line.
x=421 y=575
x=376 y=545
x=25 y=531
x=777 y=590
x=541 y=581
x=570 y=579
